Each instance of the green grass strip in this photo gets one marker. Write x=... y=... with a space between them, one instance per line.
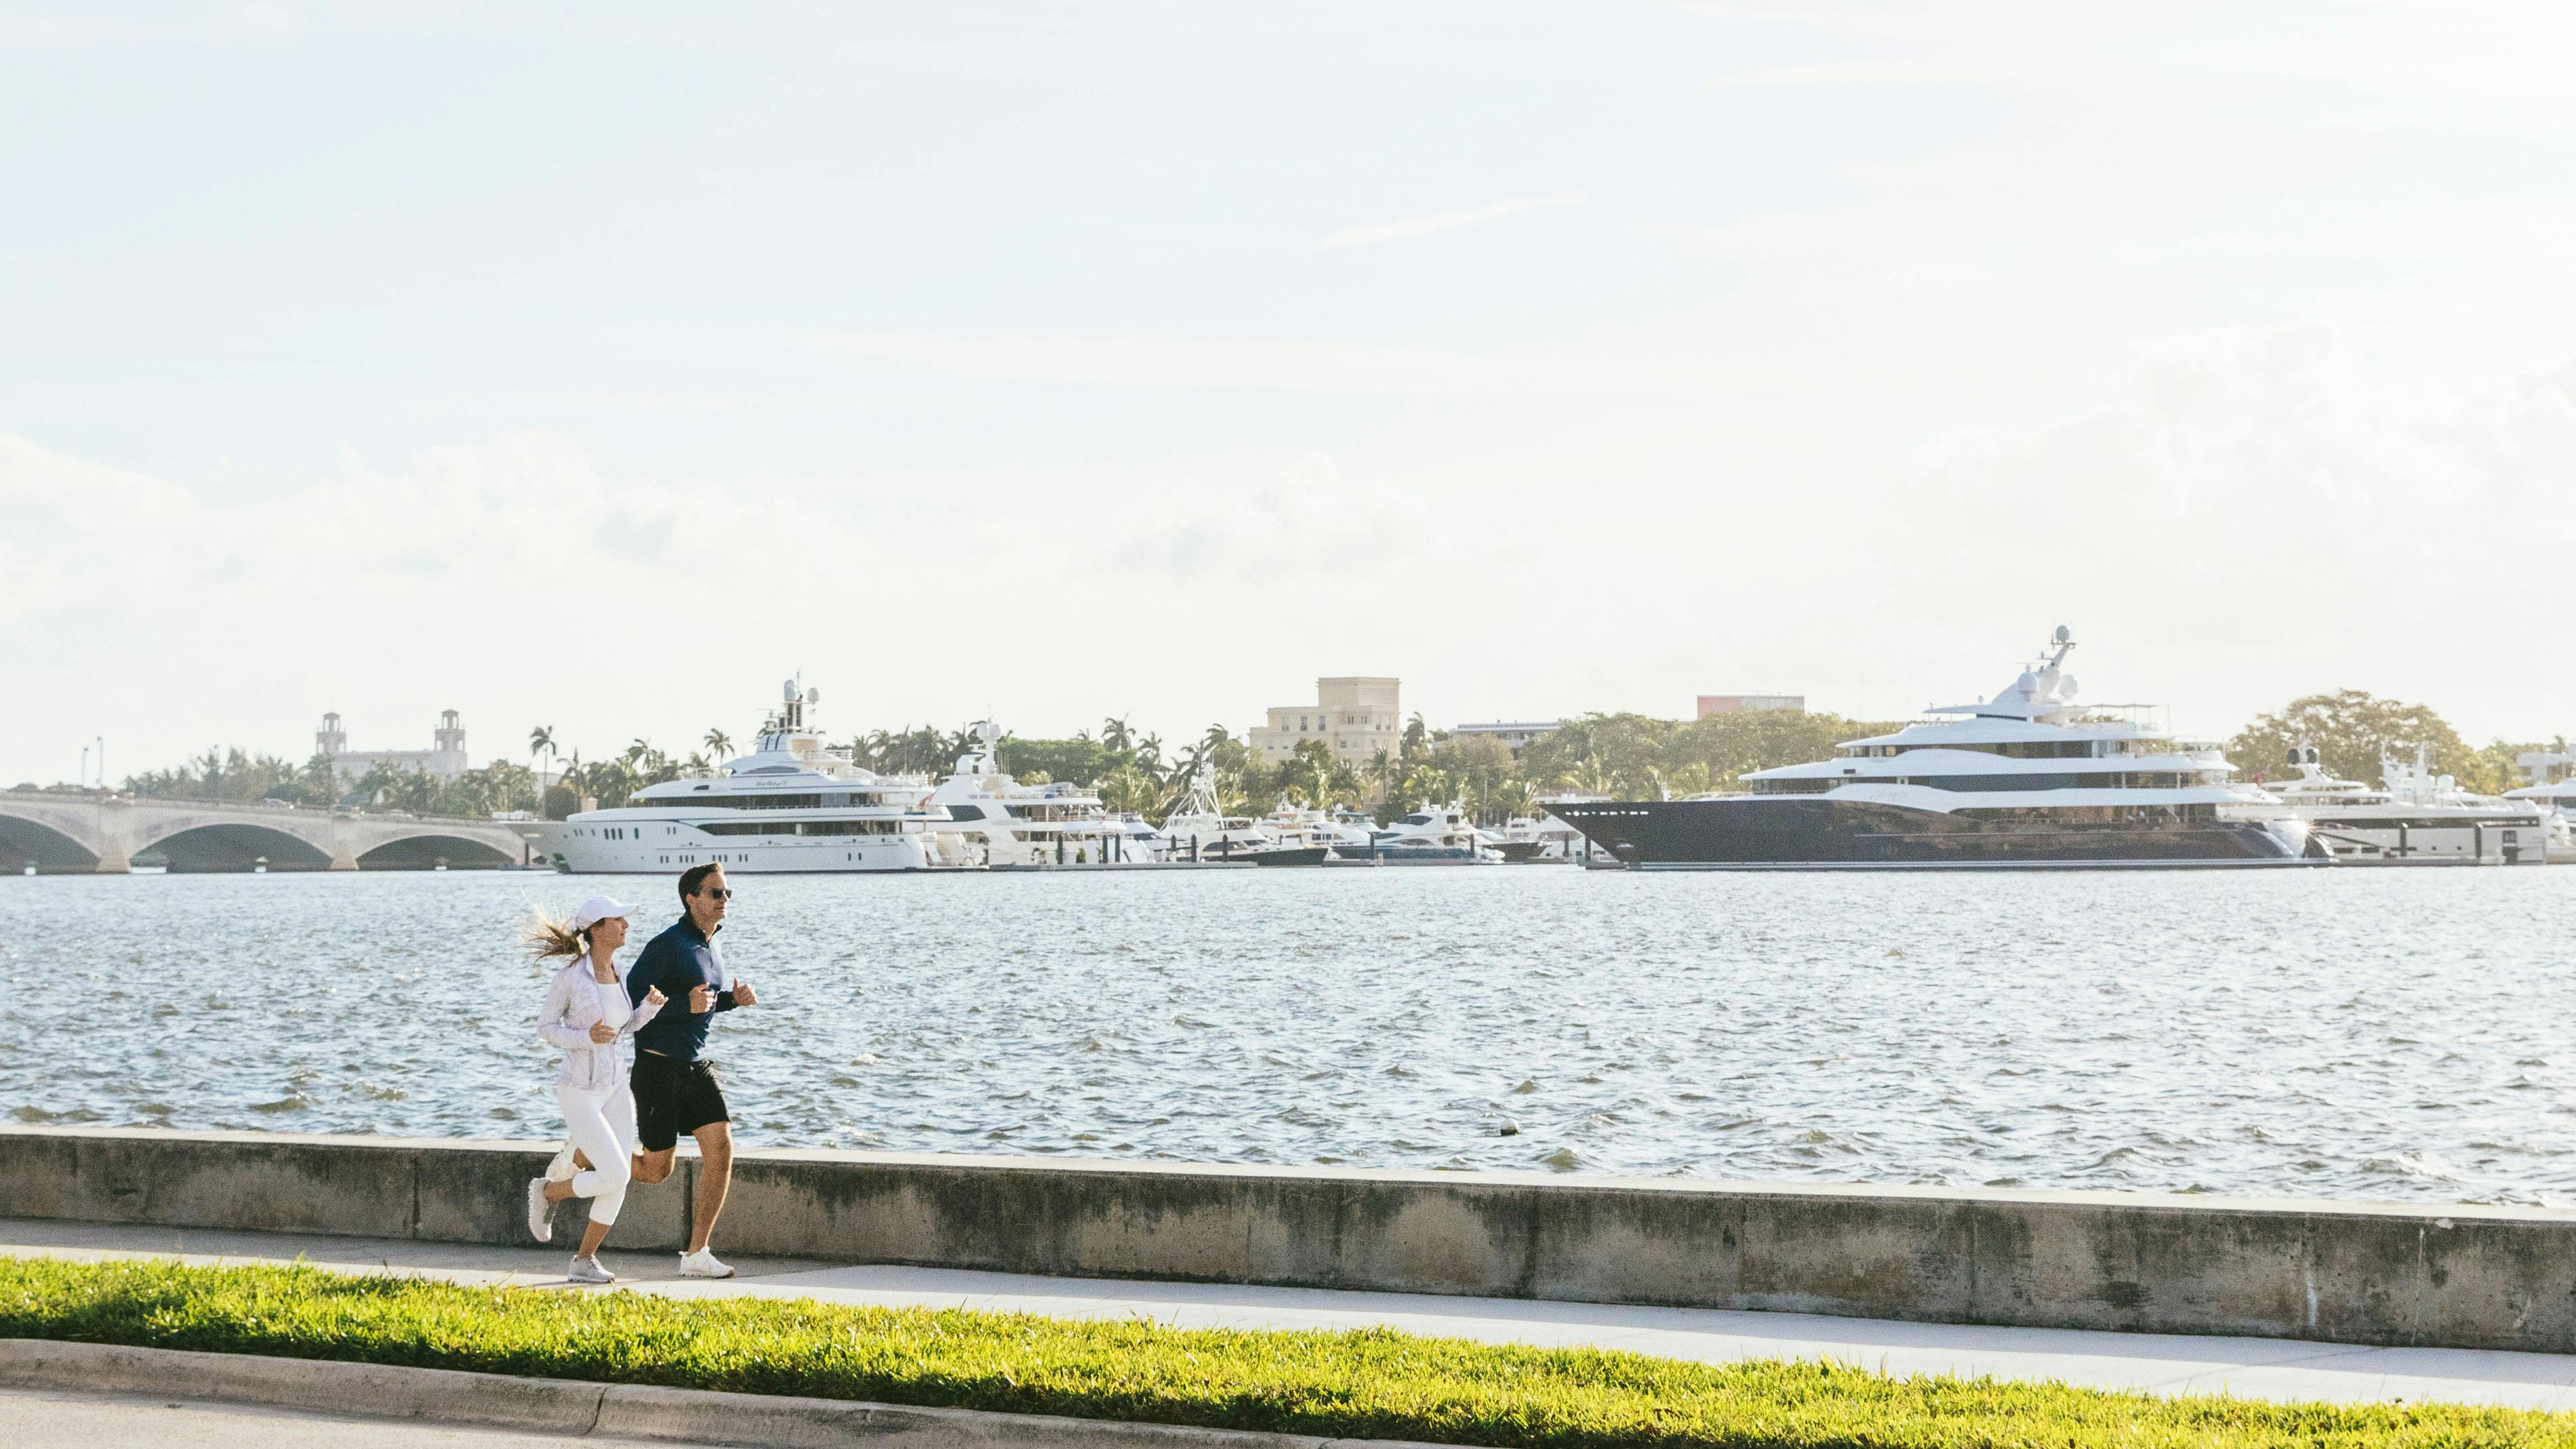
x=1363 y=1383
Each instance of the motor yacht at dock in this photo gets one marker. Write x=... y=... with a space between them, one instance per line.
x=1322 y=838
x=2558 y=801
x=2415 y=817
x=1431 y=834
x=794 y=804
x=1539 y=839
x=2030 y=778
x=1200 y=832
x=983 y=817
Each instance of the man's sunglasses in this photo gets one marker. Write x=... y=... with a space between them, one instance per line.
x=717 y=893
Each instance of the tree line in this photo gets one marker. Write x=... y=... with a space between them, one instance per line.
x=1630 y=756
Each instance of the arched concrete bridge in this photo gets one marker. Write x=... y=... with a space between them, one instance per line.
x=104 y=833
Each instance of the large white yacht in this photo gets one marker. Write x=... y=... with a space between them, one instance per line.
x=793 y=804
x=2028 y=778
x=1199 y=831
x=1433 y=835
x=2558 y=799
x=1314 y=829
x=2415 y=817
x=987 y=818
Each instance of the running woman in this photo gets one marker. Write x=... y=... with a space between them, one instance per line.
x=589 y=1015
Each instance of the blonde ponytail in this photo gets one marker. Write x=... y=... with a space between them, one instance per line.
x=550 y=937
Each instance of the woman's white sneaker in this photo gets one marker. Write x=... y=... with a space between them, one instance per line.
x=702 y=1264
x=540 y=1212
x=588 y=1270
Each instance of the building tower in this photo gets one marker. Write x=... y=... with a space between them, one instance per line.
x=449 y=735
x=330 y=739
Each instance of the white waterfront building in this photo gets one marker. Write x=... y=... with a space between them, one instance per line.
x=443 y=760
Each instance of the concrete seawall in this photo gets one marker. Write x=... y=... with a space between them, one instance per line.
x=2467 y=1277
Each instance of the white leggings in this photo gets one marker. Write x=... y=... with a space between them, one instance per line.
x=602 y=1124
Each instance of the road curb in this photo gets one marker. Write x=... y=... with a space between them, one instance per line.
x=571 y=1407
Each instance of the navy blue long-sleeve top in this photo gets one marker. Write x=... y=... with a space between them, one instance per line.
x=677 y=960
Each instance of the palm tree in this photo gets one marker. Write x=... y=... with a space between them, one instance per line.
x=1318 y=780
x=1217 y=735
x=636 y=750
x=1114 y=734
x=1384 y=772
x=718 y=743
x=1149 y=754
x=540 y=740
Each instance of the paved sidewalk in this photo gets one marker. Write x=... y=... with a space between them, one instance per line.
x=2258 y=1368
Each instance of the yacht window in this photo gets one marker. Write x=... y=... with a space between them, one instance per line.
x=965 y=812
x=2084 y=781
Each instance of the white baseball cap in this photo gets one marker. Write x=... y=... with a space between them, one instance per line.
x=598 y=909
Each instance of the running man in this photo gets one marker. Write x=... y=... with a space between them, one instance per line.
x=675 y=1085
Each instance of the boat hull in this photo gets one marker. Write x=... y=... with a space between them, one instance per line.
x=1793 y=833
x=1288 y=855
x=1428 y=855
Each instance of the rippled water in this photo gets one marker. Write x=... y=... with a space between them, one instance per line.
x=2348 y=1033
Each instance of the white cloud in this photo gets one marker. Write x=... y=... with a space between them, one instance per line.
x=2259 y=519
x=517 y=580
x=1306 y=528
x=1269 y=364
x=1377 y=233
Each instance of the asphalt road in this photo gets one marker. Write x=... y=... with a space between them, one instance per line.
x=41 y=1420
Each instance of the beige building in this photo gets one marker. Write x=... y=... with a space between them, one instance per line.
x=1356 y=717
x=1711 y=705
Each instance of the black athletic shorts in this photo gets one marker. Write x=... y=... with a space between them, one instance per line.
x=674 y=1098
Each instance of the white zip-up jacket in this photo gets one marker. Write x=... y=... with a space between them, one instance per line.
x=576 y=1000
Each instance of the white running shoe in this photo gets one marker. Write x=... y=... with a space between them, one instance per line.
x=703 y=1264
x=588 y=1270
x=561 y=1169
x=541 y=1224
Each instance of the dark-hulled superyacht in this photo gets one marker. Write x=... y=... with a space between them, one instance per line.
x=2029 y=778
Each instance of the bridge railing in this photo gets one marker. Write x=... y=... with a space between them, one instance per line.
x=119 y=797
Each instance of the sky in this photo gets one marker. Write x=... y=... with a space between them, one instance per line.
x=600 y=367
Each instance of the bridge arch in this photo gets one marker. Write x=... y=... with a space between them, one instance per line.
x=25 y=841
x=428 y=850
x=236 y=846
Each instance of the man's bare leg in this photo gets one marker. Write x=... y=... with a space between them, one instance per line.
x=715 y=1175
